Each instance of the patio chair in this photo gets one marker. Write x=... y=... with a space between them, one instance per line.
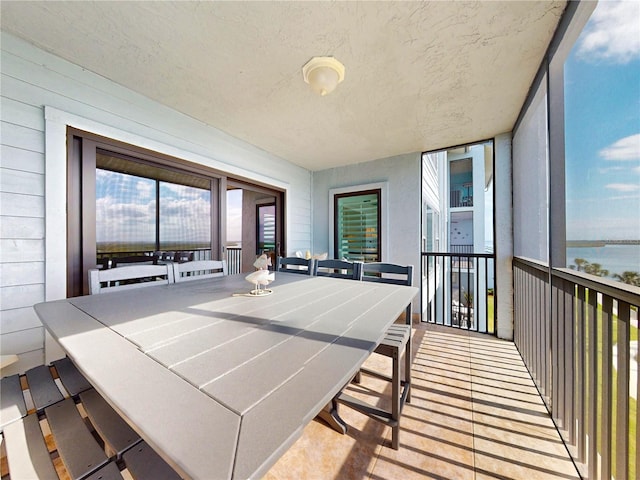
x=182 y=257
x=42 y=386
x=78 y=449
x=198 y=270
x=121 y=278
x=134 y=260
x=338 y=269
x=397 y=339
x=26 y=451
x=165 y=256
x=294 y=265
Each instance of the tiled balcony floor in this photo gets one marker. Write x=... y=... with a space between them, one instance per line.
x=474 y=414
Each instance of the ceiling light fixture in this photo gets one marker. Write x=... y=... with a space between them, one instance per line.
x=323 y=74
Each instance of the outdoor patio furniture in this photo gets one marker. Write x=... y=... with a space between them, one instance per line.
x=199 y=270
x=338 y=269
x=396 y=341
x=182 y=257
x=165 y=256
x=134 y=260
x=294 y=265
x=27 y=454
x=12 y=404
x=184 y=383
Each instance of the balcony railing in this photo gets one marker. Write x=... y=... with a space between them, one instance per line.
x=574 y=332
x=234 y=259
x=458 y=288
x=461 y=248
x=461 y=195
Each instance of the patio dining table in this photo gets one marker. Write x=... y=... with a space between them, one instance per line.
x=220 y=383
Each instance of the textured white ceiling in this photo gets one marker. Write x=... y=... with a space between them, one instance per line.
x=419 y=75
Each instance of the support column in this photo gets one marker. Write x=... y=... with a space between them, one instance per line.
x=503 y=235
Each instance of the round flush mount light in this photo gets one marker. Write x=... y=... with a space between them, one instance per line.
x=323 y=74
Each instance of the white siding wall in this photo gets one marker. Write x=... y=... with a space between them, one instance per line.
x=402 y=177
x=32 y=80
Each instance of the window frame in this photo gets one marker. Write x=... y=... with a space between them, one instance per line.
x=259 y=207
x=382 y=213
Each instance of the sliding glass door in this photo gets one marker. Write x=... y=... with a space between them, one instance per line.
x=254 y=225
x=129 y=205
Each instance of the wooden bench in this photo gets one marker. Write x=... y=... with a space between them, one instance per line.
x=12 y=404
x=77 y=436
x=77 y=447
x=26 y=450
x=44 y=391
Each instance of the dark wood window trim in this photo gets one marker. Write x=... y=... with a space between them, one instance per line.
x=336 y=200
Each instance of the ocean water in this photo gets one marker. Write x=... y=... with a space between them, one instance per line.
x=615 y=258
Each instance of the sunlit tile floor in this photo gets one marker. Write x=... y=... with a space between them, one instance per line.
x=474 y=414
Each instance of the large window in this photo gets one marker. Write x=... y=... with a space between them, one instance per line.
x=431 y=199
x=357 y=226
x=576 y=192
x=602 y=144
x=140 y=208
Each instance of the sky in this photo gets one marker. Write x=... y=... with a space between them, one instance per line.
x=234 y=216
x=126 y=210
x=602 y=125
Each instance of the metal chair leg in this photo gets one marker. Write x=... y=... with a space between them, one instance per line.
x=395 y=399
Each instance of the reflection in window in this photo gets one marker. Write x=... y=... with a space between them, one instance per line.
x=142 y=209
x=461 y=176
x=357 y=226
x=125 y=213
x=185 y=217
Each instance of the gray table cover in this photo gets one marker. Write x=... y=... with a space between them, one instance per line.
x=220 y=384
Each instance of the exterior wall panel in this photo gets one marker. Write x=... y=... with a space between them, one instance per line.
x=17 y=181
x=21 y=250
x=22 y=227
x=17 y=319
x=21 y=273
x=17 y=205
x=20 y=159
